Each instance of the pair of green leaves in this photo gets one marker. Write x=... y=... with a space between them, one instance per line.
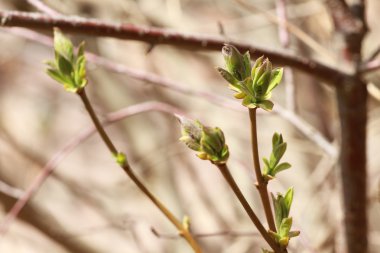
x=252 y=84
x=68 y=69
x=282 y=206
x=208 y=141
x=273 y=165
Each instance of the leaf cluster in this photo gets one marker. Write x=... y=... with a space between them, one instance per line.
x=273 y=165
x=282 y=206
x=208 y=141
x=253 y=84
x=67 y=68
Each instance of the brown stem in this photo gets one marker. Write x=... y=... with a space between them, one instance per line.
x=230 y=180
x=96 y=122
x=261 y=184
x=158 y=36
x=127 y=169
x=182 y=231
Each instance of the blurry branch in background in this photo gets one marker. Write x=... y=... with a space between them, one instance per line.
x=308 y=130
x=283 y=23
x=10 y=190
x=374 y=54
x=230 y=233
x=157 y=36
x=71 y=145
x=283 y=34
x=41 y=6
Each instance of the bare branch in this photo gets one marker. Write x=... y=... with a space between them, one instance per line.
x=39 y=5
x=230 y=233
x=10 y=190
x=283 y=34
x=293 y=29
x=158 y=36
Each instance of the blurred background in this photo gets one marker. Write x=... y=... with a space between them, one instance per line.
x=89 y=205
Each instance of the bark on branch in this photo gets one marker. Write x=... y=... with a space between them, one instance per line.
x=159 y=36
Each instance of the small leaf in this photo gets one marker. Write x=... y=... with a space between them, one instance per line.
x=288 y=199
x=247 y=63
x=81 y=49
x=191 y=143
x=277 y=209
x=266 y=166
x=80 y=72
x=286 y=225
x=279 y=151
x=257 y=63
x=240 y=95
x=280 y=167
x=56 y=75
x=64 y=66
x=227 y=76
x=63 y=45
x=266 y=105
x=294 y=233
x=275 y=78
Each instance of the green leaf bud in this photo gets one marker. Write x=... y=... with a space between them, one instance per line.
x=237 y=64
x=272 y=166
x=208 y=141
x=68 y=69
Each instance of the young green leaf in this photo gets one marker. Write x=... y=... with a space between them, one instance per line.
x=63 y=45
x=281 y=167
x=288 y=199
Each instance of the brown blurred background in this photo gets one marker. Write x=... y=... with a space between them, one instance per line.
x=89 y=205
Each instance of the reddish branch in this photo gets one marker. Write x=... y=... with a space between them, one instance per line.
x=157 y=36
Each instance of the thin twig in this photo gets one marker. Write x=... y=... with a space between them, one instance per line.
x=181 y=229
x=111 y=147
x=283 y=34
x=261 y=184
x=157 y=36
x=185 y=233
x=230 y=233
x=374 y=54
x=370 y=66
x=39 y=5
x=255 y=220
x=70 y=146
x=10 y=190
x=296 y=31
